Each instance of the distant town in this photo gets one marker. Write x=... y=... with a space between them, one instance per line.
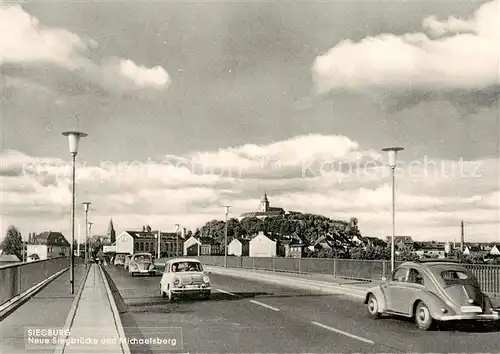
x=270 y=232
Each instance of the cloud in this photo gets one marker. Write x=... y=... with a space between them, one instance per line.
x=454 y=57
x=432 y=194
x=27 y=43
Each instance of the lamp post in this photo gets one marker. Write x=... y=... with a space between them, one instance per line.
x=176 y=240
x=226 y=207
x=86 y=206
x=393 y=154
x=90 y=237
x=74 y=139
x=158 y=244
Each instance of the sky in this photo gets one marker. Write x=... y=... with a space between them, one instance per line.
x=192 y=105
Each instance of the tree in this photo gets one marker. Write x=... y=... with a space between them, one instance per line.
x=13 y=242
x=406 y=255
x=370 y=253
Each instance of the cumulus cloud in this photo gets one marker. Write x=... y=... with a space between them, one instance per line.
x=25 y=41
x=433 y=195
x=454 y=55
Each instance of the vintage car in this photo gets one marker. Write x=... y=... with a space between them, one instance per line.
x=141 y=263
x=184 y=276
x=430 y=292
x=119 y=259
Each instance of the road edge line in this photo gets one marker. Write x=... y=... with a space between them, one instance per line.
x=12 y=304
x=116 y=314
x=72 y=313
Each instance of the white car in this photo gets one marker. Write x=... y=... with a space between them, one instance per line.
x=184 y=276
x=141 y=263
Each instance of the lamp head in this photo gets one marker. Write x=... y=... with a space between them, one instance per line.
x=226 y=208
x=393 y=155
x=74 y=139
x=176 y=227
x=86 y=205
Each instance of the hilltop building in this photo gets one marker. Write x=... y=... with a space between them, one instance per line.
x=266 y=211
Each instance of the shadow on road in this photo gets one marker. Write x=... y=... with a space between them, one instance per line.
x=467 y=327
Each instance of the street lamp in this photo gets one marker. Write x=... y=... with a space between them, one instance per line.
x=226 y=207
x=86 y=206
x=74 y=139
x=393 y=155
x=177 y=240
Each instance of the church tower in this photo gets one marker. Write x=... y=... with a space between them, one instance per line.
x=264 y=203
x=111 y=231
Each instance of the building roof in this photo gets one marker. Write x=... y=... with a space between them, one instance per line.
x=261 y=233
x=149 y=235
x=49 y=238
x=208 y=241
x=272 y=212
x=9 y=258
x=243 y=241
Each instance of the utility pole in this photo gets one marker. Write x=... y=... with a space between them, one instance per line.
x=462 y=236
x=177 y=240
x=226 y=207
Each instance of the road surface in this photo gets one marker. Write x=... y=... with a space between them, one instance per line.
x=247 y=317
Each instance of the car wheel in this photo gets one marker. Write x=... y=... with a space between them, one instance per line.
x=162 y=293
x=373 y=307
x=423 y=317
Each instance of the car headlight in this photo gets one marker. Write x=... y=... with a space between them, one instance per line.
x=206 y=279
x=176 y=281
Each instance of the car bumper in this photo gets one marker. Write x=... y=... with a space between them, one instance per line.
x=495 y=316
x=142 y=271
x=188 y=291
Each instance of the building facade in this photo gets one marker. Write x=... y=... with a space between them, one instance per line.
x=129 y=241
x=238 y=247
x=262 y=246
x=47 y=245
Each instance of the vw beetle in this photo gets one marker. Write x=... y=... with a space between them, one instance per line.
x=431 y=291
x=141 y=263
x=184 y=276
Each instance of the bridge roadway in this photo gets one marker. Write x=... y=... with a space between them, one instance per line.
x=251 y=317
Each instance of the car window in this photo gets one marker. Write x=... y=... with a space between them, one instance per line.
x=142 y=258
x=415 y=277
x=399 y=275
x=452 y=277
x=187 y=267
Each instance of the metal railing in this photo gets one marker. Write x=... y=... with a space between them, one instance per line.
x=19 y=277
x=487 y=275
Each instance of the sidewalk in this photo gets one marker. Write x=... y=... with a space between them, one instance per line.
x=47 y=309
x=94 y=329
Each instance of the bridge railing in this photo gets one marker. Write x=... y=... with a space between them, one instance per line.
x=18 y=277
x=487 y=275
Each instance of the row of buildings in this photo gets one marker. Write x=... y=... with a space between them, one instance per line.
x=50 y=244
